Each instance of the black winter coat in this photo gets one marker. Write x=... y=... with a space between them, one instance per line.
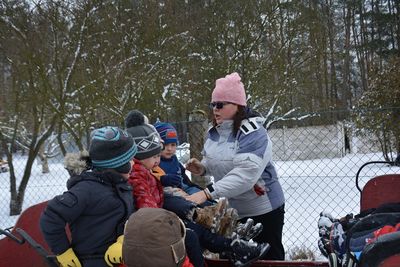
x=96 y=207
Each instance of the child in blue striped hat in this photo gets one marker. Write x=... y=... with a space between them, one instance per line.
x=96 y=206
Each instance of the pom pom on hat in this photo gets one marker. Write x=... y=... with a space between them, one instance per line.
x=229 y=89
x=134 y=118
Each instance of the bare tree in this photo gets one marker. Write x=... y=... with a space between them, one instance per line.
x=43 y=71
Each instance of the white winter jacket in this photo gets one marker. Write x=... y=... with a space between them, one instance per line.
x=238 y=162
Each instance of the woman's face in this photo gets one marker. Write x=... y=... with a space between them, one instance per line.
x=224 y=111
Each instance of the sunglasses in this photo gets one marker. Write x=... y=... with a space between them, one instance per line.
x=218 y=105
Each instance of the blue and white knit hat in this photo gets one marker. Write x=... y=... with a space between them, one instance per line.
x=112 y=148
x=167 y=132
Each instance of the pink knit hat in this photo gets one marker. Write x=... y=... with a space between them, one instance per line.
x=229 y=89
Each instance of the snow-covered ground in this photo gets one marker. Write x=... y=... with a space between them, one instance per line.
x=310 y=187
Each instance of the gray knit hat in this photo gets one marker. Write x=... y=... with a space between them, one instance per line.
x=144 y=135
x=154 y=237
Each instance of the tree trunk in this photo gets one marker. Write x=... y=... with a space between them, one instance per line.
x=363 y=54
x=397 y=21
x=348 y=96
x=43 y=160
x=45 y=165
x=16 y=202
x=59 y=139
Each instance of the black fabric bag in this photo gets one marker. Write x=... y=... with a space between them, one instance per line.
x=350 y=241
x=361 y=236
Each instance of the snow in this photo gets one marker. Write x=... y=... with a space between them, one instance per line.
x=310 y=187
x=165 y=92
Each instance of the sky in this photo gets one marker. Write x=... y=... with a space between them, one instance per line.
x=310 y=187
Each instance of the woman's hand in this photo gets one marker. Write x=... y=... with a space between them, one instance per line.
x=198 y=198
x=194 y=166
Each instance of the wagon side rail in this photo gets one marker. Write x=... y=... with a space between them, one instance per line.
x=390 y=163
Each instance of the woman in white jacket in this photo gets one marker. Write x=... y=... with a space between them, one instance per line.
x=238 y=154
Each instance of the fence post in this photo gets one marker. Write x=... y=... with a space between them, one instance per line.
x=198 y=125
x=283 y=142
x=341 y=139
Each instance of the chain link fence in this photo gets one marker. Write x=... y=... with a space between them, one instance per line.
x=317 y=159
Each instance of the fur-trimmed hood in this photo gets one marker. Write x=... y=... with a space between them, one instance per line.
x=76 y=163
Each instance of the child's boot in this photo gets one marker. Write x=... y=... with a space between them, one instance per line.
x=246 y=252
x=210 y=216
x=248 y=230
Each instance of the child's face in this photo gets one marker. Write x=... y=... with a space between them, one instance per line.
x=169 y=150
x=151 y=162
